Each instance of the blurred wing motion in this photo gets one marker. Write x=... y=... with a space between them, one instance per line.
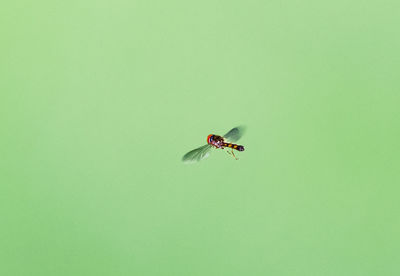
x=197 y=154
x=235 y=134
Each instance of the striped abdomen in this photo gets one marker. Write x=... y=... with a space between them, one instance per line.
x=234 y=146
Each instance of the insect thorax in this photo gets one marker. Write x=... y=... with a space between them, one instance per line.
x=218 y=141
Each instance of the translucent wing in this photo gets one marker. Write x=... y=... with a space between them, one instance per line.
x=234 y=134
x=197 y=154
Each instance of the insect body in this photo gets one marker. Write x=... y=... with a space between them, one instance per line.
x=219 y=142
x=216 y=141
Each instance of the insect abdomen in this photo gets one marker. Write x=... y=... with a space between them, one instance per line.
x=234 y=146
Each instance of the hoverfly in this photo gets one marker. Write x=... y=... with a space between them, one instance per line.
x=216 y=141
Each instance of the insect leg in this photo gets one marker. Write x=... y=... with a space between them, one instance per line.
x=234 y=155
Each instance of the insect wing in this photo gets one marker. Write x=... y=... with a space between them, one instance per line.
x=197 y=154
x=235 y=134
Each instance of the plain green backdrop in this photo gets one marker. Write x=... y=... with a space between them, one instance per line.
x=99 y=100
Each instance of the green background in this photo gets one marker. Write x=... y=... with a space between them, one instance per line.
x=100 y=100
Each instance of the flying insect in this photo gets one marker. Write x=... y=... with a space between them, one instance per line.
x=218 y=142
